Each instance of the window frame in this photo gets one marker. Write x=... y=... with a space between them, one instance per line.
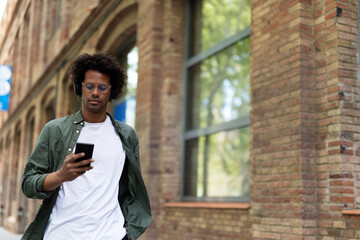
x=238 y=123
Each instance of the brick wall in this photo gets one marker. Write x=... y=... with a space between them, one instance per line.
x=205 y=223
x=148 y=122
x=304 y=119
x=337 y=93
x=283 y=192
x=161 y=39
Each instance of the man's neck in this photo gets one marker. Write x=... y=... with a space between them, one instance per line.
x=92 y=117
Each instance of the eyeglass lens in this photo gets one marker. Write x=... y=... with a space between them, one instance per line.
x=101 y=87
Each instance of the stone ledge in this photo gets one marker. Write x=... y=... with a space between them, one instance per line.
x=213 y=205
x=351 y=212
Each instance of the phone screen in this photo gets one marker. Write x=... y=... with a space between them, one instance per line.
x=86 y=148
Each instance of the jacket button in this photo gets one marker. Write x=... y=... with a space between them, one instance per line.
x=69 y=149
x=77 y=131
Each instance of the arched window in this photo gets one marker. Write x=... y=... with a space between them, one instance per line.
x=125 y=105
x=48 y=106
x=15 y=162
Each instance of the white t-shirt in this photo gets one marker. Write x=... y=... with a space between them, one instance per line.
x=88 y=208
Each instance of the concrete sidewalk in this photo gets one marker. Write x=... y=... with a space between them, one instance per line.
x=5 y=235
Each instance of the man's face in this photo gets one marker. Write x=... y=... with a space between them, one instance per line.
x=96 y=91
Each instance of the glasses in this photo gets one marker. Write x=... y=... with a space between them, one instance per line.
x=102 y=87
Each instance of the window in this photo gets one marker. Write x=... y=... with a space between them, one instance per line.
x=15 y=165
x=125 y=106
x=58 y=14
x=29 y=135
x=50 y=111
x=218 y=101
x=53 y=17
x=48 y=106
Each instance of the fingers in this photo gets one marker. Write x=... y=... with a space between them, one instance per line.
x=82 y=169
x=72 y=157
x=84 y=164
x=72 y=169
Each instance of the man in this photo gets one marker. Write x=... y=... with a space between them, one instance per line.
x=106 y=199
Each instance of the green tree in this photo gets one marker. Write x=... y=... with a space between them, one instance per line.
x=220 y=92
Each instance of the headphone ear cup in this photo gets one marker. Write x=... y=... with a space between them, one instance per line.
x=77 y=89
x=114 y=93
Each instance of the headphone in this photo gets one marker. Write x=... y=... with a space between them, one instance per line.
x=113 y=95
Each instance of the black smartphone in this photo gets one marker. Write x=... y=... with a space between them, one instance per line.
x=86 y=148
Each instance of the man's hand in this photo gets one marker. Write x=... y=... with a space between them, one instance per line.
x=69 y=171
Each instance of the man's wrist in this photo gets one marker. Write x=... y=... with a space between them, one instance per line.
x=59 y=177
x=52 y=181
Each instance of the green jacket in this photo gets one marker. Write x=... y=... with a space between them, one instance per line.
x=56 y=141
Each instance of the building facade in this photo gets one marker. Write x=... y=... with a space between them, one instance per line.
x=247 y=112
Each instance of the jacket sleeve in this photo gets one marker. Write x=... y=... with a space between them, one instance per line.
x=37 y=168
x=135 y=201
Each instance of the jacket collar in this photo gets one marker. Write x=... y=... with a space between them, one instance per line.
x=78 y=119
x=119 y=128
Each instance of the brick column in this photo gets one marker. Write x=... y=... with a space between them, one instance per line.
x=15 y=82
x=33 y=204
x=172 y=105
x=34 y=40
x=172 y=98
x=9 y=222
x=148 y=104
x=21 y=203
x=283 y=163
x=24 y=49
x=337 y=98
x=28 y=43
x=3 y=166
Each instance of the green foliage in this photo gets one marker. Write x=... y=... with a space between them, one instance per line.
x=219 y=89
x=221 y=19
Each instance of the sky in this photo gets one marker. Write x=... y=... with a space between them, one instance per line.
x=2 y=8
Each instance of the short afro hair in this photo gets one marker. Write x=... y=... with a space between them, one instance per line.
x=100 y=62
